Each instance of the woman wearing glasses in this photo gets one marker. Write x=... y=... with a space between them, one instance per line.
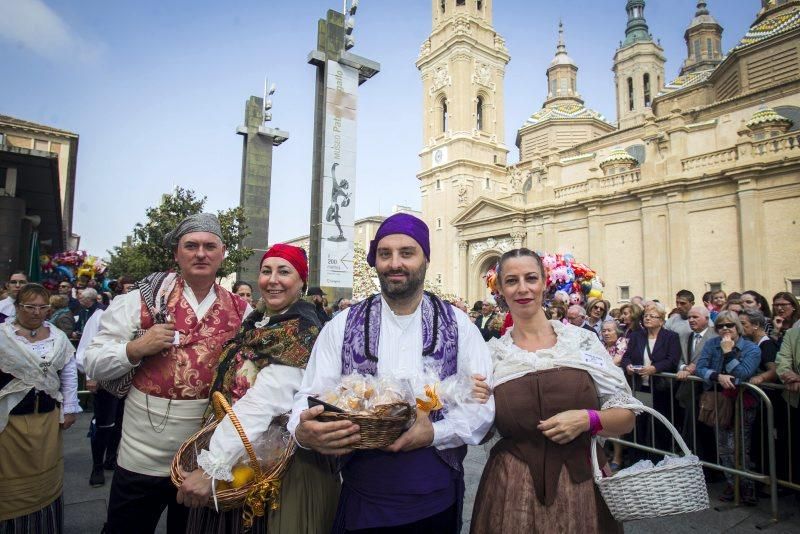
x=728 y=360
x=786 y=313
x=652 y=350
x=596 y=313
x=38 y=398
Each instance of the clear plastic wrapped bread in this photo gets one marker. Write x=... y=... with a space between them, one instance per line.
x=366 y=394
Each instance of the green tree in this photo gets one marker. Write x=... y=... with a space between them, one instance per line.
x=146 y=253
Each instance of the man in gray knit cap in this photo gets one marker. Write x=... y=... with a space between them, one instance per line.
x=164 y=339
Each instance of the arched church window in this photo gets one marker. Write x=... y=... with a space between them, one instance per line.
x=646 y=80
x=697 y=49
x=563 y=89
x=573 y=85
x=479 y=113
x=480 y=5
x=553 y=86
x=444 y=115
x=630 y=94
x=710 y=48
x=442 y=5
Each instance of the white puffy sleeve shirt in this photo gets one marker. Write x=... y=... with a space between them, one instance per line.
x=400 y=354
x=271 y=395
x=106 y=357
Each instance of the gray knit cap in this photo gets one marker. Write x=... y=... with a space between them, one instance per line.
x=199 y=222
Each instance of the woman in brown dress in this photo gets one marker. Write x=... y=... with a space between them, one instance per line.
x=555 y=386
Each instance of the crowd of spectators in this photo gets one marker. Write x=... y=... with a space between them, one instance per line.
x=726 y=340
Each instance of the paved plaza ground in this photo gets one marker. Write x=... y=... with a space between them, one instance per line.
x=85 y=507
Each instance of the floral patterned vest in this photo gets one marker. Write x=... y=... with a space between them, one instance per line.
x=185 y=371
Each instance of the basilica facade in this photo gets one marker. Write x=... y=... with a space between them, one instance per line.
x=696 y=185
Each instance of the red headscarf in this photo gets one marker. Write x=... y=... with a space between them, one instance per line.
x=294 y=255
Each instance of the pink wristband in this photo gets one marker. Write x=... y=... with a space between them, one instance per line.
x=595 y=425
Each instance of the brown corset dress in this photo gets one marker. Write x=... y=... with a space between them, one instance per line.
x=531 y=484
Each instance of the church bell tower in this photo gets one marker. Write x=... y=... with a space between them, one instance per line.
x=463 y=156
x=638 y=68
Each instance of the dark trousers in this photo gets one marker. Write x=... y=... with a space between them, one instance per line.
x=705 y=446
x=445 y=522
x=655 y=434
x=108 y=411
x=137 y=501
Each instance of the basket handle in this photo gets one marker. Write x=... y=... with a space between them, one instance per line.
x=221 y=409
x=682 y=444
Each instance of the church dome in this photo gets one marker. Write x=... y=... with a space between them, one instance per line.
x=702 y=16
x=687 y=80
x=618 y=156
x=767 y=117
x=774 y=25
x=562 y=59
x=564 y=111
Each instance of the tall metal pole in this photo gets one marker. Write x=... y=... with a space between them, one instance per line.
x=339 y=73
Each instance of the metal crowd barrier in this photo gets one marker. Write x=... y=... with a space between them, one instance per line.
x=767 y=411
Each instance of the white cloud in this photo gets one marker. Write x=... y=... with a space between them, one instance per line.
x=32 y=25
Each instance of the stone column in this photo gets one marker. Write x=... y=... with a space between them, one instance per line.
x=678 y=234
x=256 y=181
x=596 y=238
x=463 y=266
x=655 y=256
x=548 y=232
x=751 y=235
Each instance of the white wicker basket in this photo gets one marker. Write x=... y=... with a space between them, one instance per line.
x=656 y=492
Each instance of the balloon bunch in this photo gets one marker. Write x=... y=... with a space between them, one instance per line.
x=71 y=265
x=575 y=279
x=562 y=273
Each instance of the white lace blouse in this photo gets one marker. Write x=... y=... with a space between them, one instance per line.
x=575 y=347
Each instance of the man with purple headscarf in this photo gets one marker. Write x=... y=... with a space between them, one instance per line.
x=417 y=483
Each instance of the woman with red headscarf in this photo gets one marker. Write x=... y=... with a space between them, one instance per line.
x=259 y=372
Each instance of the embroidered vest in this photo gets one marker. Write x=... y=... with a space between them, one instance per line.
x=185 y=371
x=439 y=342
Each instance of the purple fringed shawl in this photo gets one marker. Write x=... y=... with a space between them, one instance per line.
x=440 y=351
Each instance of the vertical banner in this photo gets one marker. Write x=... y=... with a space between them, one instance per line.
x=339 y=177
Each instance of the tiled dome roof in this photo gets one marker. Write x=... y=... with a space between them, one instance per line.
x=564 y=111
x=618 y=155
x=766 y=116
x=770 y=27
x=687 y=80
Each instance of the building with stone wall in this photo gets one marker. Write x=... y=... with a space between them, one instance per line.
x=37 y=190
x=696 y=185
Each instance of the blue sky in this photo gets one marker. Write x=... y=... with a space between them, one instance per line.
x=156 y=90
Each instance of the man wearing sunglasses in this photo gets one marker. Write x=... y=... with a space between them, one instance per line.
x=14 y=284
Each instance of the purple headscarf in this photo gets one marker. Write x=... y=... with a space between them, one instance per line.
x=401 y=223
